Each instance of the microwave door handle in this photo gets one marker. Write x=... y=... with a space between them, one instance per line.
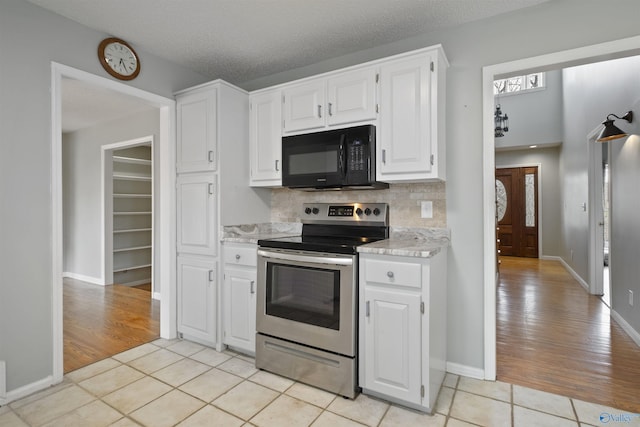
x=342 y=162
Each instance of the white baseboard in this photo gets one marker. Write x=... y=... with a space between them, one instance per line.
x=3 y=380
x=575 y=275
x=633 y=334
x=26 y=390
x=94 y=280
x=465 y=371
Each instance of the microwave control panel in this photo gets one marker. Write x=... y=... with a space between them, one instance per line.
x=357 y=157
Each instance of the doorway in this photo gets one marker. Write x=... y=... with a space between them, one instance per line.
x=517 y=211
x=164 y=275
x=578 y=56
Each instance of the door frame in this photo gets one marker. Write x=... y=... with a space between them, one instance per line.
x=596 y=214
x=561 y=59
x=539 y=197
x=165 y=175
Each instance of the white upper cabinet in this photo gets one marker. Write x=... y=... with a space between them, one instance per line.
x=196 y=142
x=265 y=138
x=304 y=106
x=351 y=97
x=347 y=97
x=402 y=95
x=411 y=145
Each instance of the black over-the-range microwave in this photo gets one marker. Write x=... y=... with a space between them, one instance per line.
x=340 y=158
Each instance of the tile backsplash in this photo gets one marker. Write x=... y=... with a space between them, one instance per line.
x=404 y=202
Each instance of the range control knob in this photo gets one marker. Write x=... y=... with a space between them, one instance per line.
x=367 y=211
x=315 y=211
x=307 y=210
x=358 y=211
x=376 y=211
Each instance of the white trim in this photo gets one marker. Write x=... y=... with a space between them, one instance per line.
x=595 y=214
x=465 y=371
x=166 y=245
x=633 y=334
x=84 y=278
x=582 y=55
x=3 y=381
x=28 y=389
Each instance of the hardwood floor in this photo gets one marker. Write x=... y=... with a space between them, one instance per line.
x=100 y=321
x=552 y=335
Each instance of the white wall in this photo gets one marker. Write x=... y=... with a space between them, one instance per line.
x=591 y=93
x=30 y=39
x=549 y=225
x=82 y=189
x=535 y=117
x=550 y=27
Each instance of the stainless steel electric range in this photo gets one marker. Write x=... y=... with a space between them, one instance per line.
x=307 y=295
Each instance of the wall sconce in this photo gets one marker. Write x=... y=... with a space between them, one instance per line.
x=611 y=131
x=501 y=122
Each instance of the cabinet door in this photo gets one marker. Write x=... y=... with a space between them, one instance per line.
x=196 y=288
x=196 y=123
x=304 y=106
x=351 y=97
x=392 y=343
x=406 y=120
x=196 y=216
x=265 y=141
x=240 y=308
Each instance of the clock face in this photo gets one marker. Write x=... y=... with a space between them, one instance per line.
x=118 y=59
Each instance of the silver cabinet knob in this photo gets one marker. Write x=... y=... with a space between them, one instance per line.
x=237 y=256
x=390 y=274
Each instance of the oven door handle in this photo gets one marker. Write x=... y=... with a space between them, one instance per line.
x=305 y=258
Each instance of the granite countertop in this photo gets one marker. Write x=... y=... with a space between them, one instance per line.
x=251 y=233
x=403 y=241
x=411 y=242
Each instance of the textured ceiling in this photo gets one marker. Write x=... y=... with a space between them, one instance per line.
x=241 y=40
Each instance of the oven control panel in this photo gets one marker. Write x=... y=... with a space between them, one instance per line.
x=346 y=212
x=340 y=210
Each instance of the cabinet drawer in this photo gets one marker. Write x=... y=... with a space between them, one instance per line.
x=393 y=273
x=240 y=255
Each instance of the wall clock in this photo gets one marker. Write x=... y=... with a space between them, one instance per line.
x=118 y=58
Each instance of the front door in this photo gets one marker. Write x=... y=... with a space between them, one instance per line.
x=517 y=208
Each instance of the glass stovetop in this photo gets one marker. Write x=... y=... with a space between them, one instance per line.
x=331 y=244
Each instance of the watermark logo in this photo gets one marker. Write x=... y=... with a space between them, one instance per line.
x=622 y=417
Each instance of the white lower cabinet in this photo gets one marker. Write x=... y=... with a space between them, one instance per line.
x=402 y=340
x=196 y=287
x=239 y=296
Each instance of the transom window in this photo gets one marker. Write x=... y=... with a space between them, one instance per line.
x=518 y=84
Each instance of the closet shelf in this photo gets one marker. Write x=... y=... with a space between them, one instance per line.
x=132 y=213
x=131 y=196
x=133 y=248
x=131 y=230
x=123 y=177
x=131 y=160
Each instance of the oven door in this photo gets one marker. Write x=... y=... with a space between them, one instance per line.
x=308 y=298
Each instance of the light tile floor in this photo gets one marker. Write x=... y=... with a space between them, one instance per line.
x=174 y=382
